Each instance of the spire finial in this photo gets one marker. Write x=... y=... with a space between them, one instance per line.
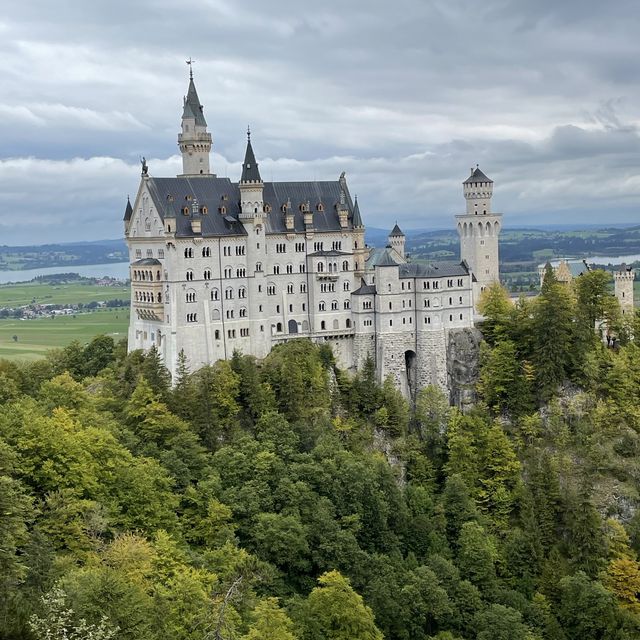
x=190 y=63
x=248 y=133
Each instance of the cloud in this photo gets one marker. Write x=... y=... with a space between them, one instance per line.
x=405 y=97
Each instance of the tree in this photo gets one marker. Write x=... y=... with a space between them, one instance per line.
x=334 y=611
x=495 y=306
x=477 y=556
x=498 y=622
x=270 y=622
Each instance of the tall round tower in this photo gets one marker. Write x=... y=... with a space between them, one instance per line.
x=623 y=287
x=479 y=229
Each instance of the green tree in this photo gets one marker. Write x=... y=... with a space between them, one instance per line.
x=498 y=622
x=495 y=306
x=477 y=556
x=334 y=611
x=270 y=622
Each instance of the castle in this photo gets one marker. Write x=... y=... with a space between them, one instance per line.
x=219 y=266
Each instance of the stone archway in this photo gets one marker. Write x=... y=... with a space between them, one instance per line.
x=293 y=326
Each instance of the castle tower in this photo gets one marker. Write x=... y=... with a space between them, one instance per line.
x=194 y=140
x=623 y=287
x=360 y=251
x=397 y=240
x=251 y=186
x=479 y=229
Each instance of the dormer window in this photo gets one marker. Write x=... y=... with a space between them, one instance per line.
x=169 y=198
x=283 y=208
x=320 y=207
x=185 y=211
x=266 y=207
x=204 y=210
x=222 y=210
x=188 y=198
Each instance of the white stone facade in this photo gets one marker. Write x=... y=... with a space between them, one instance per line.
x=218 y=266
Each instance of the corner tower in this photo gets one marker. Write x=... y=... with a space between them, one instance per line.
x=479 y=230
x=397 y=240
x=194 y=140
x=623 y=287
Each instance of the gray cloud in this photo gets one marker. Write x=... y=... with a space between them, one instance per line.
x=405 y=97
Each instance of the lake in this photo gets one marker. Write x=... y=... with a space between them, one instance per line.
x=119 y=270
x=602 y=260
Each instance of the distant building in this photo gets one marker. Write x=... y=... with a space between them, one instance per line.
x=219 y=266
x=623 y=279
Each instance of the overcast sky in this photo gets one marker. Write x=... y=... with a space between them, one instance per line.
x=404 y=96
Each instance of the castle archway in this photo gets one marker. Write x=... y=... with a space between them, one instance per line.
x=293 y=326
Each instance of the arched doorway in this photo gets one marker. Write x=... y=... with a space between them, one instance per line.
x=293 y=326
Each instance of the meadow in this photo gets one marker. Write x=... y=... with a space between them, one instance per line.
x=16 y=295
x=37 y=336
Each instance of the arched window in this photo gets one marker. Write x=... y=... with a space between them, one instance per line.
x=321 y=306
x=207 y=274
x=242 y=292
x=214 y=294
x=189 y=275
x=258 y=266
x=228 y=293
x=348 y=323
x=345 y=265
x=334 y=305
x=323 y=325
x=290 y=288
x=320 y=267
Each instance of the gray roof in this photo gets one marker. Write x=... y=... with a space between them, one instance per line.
x=396 y=231
x=192 y=106
x=441 y=269
x=330 y=253
x=146 y=262
x=357 y=218
x=250 y=171
x=364 y=289
x=128 y=212
x=170 y=197
x=477 y=176
x=385 y=259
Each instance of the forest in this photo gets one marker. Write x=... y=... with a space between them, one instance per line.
x=289 y=500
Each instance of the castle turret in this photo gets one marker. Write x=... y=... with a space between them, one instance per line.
x=360 y=251
x=194 y=140
x=623 y=287
x=479 y=229
x=397 y=240
x=251 y=186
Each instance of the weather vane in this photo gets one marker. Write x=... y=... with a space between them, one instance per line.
x=190 y=63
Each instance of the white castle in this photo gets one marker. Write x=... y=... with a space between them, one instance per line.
x=219 y=266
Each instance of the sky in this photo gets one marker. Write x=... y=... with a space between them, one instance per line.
x=403 y=96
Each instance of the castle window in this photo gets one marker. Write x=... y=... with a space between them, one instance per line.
x=217 y=334
x=427 y=303
x=228 y=294
x=345 y=265
x=460 y=282
x=304 y=306
x=347 y=304
x=303 y=287
x=204 y=210
x=403 y=286
x=391 y=323
x=323 y=325
x=266 y=207
x=191 y=296
x=229 y=314
x=320 y=207
x=427 y=320
x=185 y=211
x=206 y=252
x=138 y=253
x=258 y=266
x=214 y=294
x=188 y=252
x=302 y=268
x=300 y=247
x=242 y=292
x=207 y=274
x=334 y=305
x=241 y=272
x=346 y=286
x=290 y=288
x=276 y=269
x=460 y=300
x=426 y=285
x=192 y=317
x=222 y=209
x=450 y=318
x=460 y=316
x=149 y=253
x=160 y=253
x=390 y=306
x=320 y=267
x=244 y=333
x=348 y=323
x=240 y=249
x=450 y=301
x=271 y=289
x=189 y=276
x=281 y=248
x=243 y=312
x=279 y=327
x=321 y=306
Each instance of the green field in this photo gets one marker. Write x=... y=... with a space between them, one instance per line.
x=16 y=295
x=36 y=337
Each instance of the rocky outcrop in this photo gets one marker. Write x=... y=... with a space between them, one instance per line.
x=463 y=367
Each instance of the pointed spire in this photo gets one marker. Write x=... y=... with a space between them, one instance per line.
x=250 y=171
x=128 y=212
x=477 y=176
x=192 y=106
x=357 y=218
x=396 y=232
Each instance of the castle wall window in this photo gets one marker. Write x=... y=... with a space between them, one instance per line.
x=229 y=314
x=160 y=253
x=299 y=247
x=206 y=252
x=271 y=289
x=276 y=269
x=426 y=285
x=346 y=286
x=290 y=288
x=192 y=317
x=138 y=253
x=427 y=303
x=243 y=312
x=228 y=294
x=217 y=334
x=188 y=252
x=227 y=272
x=281 y=248
x=336 y=324
x=242 y=292
x=460 y=282
x=427 y=320
x=303 y=268
x=390 y=306
x=320 y=267
x=460 y=300
x=240 y=249
x=323 y=325
x=450 y=301
x=279 y=327
x=258 y=266
x=347 y=304
x=241 y=272
x=289 y=268
x=207 y=274
x=303 y=287
x=191 y=296
x=334 y=305
x=226 y=251
x=304 y=306
x=348 y=323
x=345 y=265
x=321 y=306
x=149 y=253
x=189 y=276
x=391 y=323
x=449 y=283
x=244 y=333
x=214 y=294
x=366 y=304
x=231 y=333
x=337 y=245
x=318 y=246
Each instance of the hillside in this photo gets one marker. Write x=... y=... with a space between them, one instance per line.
x=289 y=500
